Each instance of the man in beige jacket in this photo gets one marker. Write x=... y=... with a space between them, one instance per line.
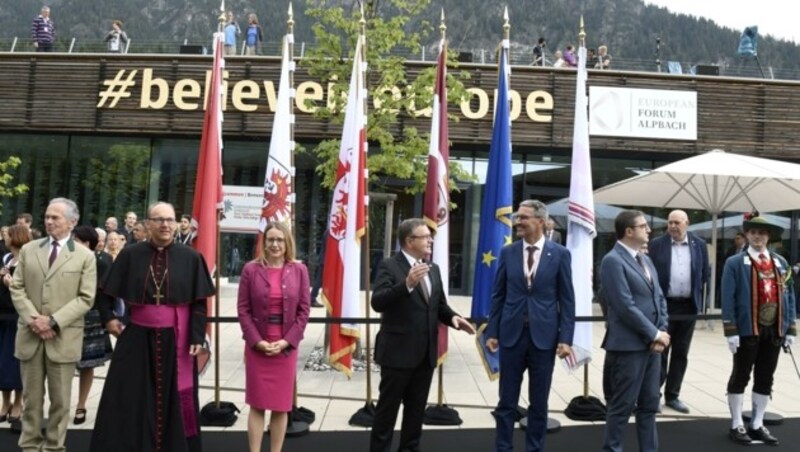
x=53 y=288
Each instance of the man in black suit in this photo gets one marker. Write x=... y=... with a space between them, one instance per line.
x=681 y=260
x=739 y=245
x=409 y=294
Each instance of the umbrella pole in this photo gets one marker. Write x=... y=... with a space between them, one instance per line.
x=712 y=298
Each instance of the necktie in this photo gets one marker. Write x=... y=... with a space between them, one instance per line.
x=53 y=254
x=763 y=257
x=531 y=251
x=641 y=264
x=426 y=293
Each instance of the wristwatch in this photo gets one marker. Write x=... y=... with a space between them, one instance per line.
x=53 y=323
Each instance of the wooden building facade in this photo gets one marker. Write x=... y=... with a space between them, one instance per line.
x=116 y=132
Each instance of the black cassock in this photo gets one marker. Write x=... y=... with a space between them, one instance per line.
x=145 y=406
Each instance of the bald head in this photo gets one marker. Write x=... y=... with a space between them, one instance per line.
x=677 y=225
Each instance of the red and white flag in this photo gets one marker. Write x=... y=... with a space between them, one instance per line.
x=341 y=280
x=278 y=190
x=436 y=203
x=208 y=184
x=581 y=227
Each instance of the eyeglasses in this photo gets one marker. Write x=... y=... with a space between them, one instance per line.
x=278 y=240
x=641 y=226
x=160 y=220
x=423 y=237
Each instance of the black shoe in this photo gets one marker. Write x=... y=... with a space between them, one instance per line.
x=80 y=416
x=678 y=406
x=739 y=436
x=763 y=435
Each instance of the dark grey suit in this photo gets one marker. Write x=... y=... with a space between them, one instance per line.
x=637 y=310
x=553 y=235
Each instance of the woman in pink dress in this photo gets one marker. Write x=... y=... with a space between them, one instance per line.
x=273 y=310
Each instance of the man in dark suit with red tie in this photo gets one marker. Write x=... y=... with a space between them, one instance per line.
x=531 y=321
x=409 y=294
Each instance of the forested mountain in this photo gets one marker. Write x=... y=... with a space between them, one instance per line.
x=628 y=27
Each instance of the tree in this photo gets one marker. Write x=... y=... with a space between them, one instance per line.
x=397 y=150
x=7 y=189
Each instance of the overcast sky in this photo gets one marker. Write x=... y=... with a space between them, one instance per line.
x=773 y=17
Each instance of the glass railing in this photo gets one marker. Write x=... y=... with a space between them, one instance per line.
x=520 y=56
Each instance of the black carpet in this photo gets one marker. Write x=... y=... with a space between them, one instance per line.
x=680 y=436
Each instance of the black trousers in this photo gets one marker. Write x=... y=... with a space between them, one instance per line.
x=675 y=358
x=411 y=387
x=759 y=354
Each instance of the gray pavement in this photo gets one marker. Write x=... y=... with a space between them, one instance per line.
x=334 y=398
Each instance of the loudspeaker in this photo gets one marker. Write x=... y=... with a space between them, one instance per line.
x=707 y=69
x=193 y=50
x=465 y=57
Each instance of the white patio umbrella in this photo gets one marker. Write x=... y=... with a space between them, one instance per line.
x=604 y=215
x=728 y=227
x=716 y=181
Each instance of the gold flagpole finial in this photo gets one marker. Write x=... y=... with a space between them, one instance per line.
x=442 y=26
x=582 y=34
x=222 y=17
x=290 y=22
x=506 y=24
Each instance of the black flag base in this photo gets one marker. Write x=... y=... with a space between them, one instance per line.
x=769 y=418
x=586 y=408
x=219 y=415
x=364 y=417
x=294 y=428
x=441 y=415
x=553 y=425
x=303 y=414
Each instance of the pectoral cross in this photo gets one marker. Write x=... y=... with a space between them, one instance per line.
x=158 y=285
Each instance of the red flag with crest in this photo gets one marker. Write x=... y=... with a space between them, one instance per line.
x=208 y=184
x=436 y=204
x=341 y=280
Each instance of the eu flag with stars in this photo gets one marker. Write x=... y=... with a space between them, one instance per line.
x=495 y=223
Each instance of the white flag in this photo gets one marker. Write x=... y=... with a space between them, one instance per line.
x=580 y=225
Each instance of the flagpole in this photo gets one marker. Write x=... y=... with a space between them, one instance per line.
x=220 y=28
x=206 y=217
x=365 y=416
x=368 y=343
x=443 y=35
x=436 y=212
x=300 y=418
x=582 y=43
x=581 y=232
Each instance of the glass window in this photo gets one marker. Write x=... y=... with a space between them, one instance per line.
x=44 y=162
x=109 y=176
x=173 y=173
